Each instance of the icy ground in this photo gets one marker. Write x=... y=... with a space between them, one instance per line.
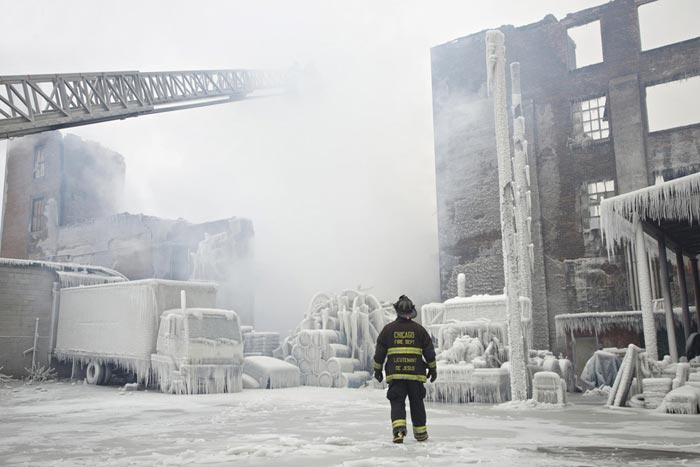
x=60 y=424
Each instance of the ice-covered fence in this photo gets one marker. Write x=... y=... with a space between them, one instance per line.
x=271 y=373
x=464 y=383
x=476 y=307
x=334 y=344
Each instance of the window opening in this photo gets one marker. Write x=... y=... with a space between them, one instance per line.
x=673 y=104
x=665 y=22
x=38 y=219
x=587 y=44
x=597 y=192
x=591 y=119
x=39 y=162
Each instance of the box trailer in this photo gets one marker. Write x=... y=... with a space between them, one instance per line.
x=167 y=333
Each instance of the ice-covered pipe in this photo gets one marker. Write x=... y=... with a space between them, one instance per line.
x=461 y=285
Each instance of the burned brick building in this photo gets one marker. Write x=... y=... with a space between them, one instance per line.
x=61 y=204
x=84 y=180
x=591 y=135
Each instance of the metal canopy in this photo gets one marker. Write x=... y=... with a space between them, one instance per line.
x=670 y=209
x=35 y=103
x=682 y=234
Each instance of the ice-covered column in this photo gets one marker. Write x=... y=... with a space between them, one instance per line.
x=461 y=285
x=685 y=316
x=523 y=217
x=644 y=281
x=696 y=287
x=668 y=306
x=495 y=63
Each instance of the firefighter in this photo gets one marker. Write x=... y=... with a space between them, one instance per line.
x=410 y=352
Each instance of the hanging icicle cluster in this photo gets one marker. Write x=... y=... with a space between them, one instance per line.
x=604 y=321
x=334 y=344
x=677 y=200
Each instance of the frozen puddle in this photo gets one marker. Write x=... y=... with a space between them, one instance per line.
x=618 y=455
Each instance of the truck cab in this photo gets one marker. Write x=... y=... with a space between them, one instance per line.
x=198 y=350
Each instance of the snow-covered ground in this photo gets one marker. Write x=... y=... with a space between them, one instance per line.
x=64 y=424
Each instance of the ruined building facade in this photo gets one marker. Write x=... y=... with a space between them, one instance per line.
x=84 y=180
x=589 y=139
x=61 y=204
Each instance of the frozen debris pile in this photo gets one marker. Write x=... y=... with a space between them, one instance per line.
x=549 y=388
x=334 y=344
x=602 y=391
x=472 y=345
x=655 y=389
x=682 y=400
x=256 y=343
x=40 y=374
x=600 y=370
x=271 y=373
x=665 y=386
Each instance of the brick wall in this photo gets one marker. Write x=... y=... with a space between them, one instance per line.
x=85 y=179
x=25 y=294
x=22 y=188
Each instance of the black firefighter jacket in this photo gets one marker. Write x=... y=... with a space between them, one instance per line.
x=407 y=348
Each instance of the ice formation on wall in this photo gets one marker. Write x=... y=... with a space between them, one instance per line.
x=76 y=279
x=334 y=344
x=64 y=267
x=495 y=62
x=207 y=259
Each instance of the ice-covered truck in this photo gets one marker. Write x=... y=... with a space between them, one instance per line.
x=166 y=333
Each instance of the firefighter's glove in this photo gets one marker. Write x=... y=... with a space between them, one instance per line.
x=432 y=374
x=378 y=375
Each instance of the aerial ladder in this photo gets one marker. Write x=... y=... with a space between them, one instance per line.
x=35 y=103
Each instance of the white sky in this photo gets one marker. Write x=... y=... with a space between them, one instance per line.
x=339 y=182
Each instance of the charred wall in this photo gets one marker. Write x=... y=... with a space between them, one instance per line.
x=84 y=179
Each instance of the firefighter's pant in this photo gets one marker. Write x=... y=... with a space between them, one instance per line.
x=398 y=390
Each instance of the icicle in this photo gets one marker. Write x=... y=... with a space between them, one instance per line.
x=677 y=200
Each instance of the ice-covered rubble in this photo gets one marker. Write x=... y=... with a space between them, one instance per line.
x=334 y=344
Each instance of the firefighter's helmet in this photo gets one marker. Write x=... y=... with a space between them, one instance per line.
x=405 y=308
